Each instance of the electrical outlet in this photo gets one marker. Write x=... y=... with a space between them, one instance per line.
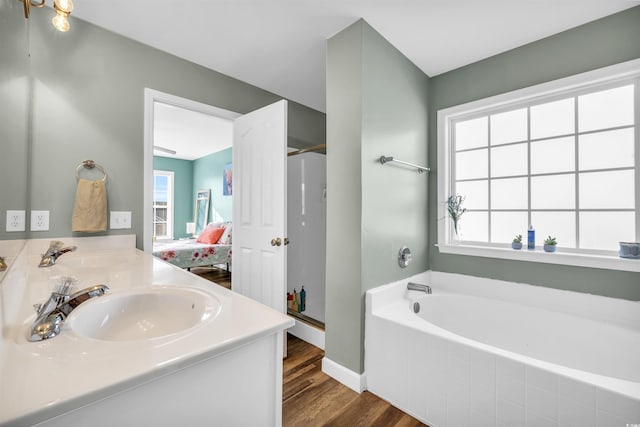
x=120 y=219
x=16 y=221
x=39 y=220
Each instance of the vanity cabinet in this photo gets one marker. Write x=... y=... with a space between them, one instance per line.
x=224 y=369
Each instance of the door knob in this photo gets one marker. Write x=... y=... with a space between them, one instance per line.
x=286 y=241
x=276 y=242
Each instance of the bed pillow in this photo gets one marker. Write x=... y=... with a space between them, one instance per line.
x=210 y=235
x=225 y=238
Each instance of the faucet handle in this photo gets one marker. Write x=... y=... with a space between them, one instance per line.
x=56 y=244
x=37 y=307
x=66 y=285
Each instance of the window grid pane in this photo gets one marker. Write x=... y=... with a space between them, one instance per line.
x=573 y=171
x=162 y=204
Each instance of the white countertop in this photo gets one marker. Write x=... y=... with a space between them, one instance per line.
x=40 y=380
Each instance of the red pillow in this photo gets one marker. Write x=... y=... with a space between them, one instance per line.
x=210 y=235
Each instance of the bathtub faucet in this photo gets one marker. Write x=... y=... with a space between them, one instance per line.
x=418 y=287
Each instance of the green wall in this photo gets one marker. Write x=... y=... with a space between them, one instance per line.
x=183 y=194
x=193 y=175
x=207 y=174
x=597 y=44
x=80 y=95
x=377 y=103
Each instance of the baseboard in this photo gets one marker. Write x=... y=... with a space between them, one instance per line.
x=308 y=333
x=356 y=382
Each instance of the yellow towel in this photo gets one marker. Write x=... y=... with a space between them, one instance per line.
x=90 y=210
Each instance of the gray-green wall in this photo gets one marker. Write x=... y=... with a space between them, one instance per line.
x=183 y=194
x=207 y=175
x=80 y=96
x=15 y=91
x=377 y=104
x=607 y=41
x=376 y=100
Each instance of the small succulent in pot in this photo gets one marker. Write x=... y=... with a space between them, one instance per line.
x=455 y=209
x=517 y=242
x=550 y=244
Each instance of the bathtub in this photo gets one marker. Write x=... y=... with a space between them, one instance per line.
x=481 y=352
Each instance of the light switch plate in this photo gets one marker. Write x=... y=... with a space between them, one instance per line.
x=16 y=221
x=120 y=219
x=39 y=221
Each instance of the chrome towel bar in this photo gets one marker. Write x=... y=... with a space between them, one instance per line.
x=421 y=169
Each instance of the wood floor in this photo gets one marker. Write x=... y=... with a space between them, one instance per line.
x=218 y=275
x=312 y=398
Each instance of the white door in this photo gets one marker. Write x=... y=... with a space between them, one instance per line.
x=260 y=205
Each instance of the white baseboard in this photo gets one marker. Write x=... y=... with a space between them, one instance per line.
x=308 y=333
x=356 y=382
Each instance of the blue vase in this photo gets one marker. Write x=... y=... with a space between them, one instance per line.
x=516 y=245
x=550 y=248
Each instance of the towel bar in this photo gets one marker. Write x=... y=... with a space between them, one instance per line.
x=421 y=169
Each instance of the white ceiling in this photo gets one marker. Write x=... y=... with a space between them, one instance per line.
x=189 y=133
x=279 y=45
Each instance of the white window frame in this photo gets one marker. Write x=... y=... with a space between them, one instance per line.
x=170 y=207
x=530 y=95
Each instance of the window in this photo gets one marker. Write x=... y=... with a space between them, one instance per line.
x=162 y=204
x=562 y=157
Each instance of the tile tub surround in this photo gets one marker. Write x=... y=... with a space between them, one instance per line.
x=73 y=376
x=446 y=379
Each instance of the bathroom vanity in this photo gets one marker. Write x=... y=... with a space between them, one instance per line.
x=163 y=347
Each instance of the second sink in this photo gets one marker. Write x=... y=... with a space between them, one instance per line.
x=143 y=314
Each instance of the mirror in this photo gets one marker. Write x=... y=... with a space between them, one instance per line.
x=201 y=210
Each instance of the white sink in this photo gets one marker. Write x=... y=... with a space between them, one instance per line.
x=143 y=314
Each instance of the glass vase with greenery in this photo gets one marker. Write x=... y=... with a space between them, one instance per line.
x=455 y=209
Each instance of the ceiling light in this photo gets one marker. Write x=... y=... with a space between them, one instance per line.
x=62 y=8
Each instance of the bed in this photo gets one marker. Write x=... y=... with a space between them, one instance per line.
x=188 y=253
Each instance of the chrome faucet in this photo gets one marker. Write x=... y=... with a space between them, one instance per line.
x=53 y=313
x=418 y=287
x=54 y=252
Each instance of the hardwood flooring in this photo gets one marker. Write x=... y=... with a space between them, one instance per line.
x=214 y=274
x=312 y=398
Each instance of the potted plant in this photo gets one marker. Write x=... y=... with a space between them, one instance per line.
x=550 y=244
x=455 y=209
x=517 y=242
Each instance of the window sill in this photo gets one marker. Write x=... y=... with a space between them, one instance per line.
x=564 y=258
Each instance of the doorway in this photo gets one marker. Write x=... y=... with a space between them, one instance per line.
x=159 y=103
x=252 y=167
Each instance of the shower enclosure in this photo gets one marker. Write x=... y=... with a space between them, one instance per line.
x=306 y=229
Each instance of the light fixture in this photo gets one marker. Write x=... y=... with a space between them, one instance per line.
x=62 y=8
x=164 y=150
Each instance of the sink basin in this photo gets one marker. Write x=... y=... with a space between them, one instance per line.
x=143 y=314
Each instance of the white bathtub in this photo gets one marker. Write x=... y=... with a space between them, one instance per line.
x=490 y=353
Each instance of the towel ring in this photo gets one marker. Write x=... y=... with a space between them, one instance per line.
x=90 y=164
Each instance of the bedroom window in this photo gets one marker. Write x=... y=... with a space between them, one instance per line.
x=561 y=156
x=162 y=204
